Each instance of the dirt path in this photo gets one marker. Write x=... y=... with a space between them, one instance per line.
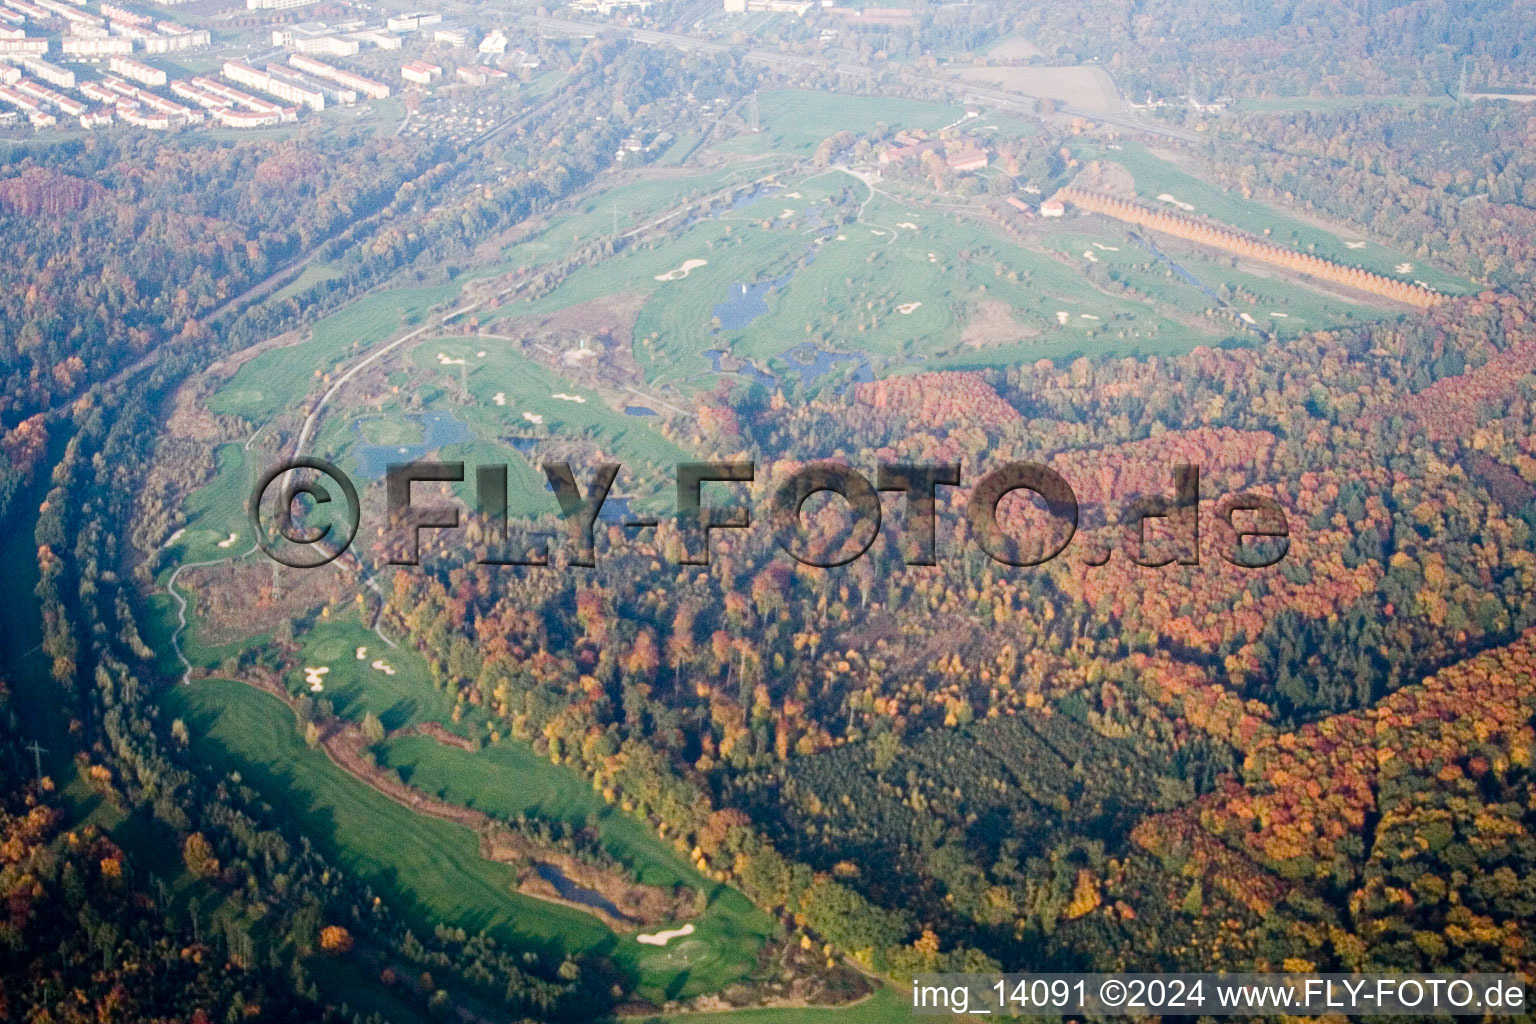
x=181 y=605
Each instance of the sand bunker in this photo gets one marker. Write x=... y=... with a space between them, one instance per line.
x=1062 y=316
x=792 y=195
x=227 y=541
x=479 y=355
x=568 y=398
x=381 y=665
x=173 y=538
x=362 y=652
x=533 y=417
x=1354 y=245
x=788 y=213
x=1106 y=248
x=1280 y=315
x=662 y=938
x=1166 y=198
x=443 y=358
x=1404 y=268
x=1090 y=257
x=688 y=267
x=908 y=225
x=500 y=398
x=314 y=677
x=877 y=231
x=908 y=308
x=1086 y=316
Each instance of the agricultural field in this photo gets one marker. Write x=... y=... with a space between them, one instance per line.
x=1084 y=87
x=796 y=121
x=314 y=274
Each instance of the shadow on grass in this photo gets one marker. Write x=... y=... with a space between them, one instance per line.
x=306 y=816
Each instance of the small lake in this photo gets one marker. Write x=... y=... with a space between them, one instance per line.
x=813 y=363
x=744 y=303
x=439 y=429
x=751 y=196
x=569 y=890
x=638 y=410
x=715 y=355
x=615 y=510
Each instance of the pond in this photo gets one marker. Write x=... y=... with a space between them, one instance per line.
x=813 y=363
x=569 y=890
x=744 y=303
x=439 y=429
x=615 y=511
x=716 y=355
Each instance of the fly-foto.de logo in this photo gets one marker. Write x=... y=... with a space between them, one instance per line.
x=306 y=512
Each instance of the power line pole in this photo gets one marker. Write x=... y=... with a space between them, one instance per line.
x=37 y=757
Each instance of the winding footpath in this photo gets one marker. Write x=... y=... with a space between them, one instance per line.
x=181 y=606
x=305 y=432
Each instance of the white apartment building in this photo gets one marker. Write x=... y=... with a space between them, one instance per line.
x=137 y=70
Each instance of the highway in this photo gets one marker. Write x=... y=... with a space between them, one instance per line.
x=995 y=97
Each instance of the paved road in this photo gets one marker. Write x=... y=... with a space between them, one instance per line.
x=995 y=97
